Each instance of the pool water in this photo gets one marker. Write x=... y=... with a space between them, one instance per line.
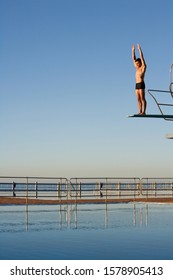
x=89 y=231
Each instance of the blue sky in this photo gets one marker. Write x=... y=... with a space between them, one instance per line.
x=67 y=87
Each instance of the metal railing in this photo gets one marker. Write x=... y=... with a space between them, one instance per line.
x=171 y=80
x=104 y=188
x=34 y=187
x=85 y=189
x=162 y=105
x=157 y=187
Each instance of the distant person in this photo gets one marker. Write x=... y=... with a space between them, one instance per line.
x=140 y=66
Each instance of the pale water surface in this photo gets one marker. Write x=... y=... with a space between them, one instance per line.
x=88 y=231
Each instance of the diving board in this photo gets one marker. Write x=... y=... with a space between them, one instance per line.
x=159 y=116
x=169 y=136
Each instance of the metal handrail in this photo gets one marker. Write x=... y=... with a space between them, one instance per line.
x=166 y=117
x=104 y=187
x=171 y=82
x=161 y=104
x=42 y=187
x=157 y=187
x=98 y=189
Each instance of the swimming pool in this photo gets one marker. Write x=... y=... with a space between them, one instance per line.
x=89 y=231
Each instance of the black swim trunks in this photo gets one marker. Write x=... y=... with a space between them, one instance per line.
x=140 y=85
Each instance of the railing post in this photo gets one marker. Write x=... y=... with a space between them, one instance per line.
x=119 y=192
x=80 y=189
x=76 y=190
x=67 y=183
x=106 y=189
x=27 y=191
x=13 y=188
x=147 y=189
x=36 y=189
x=100 y=189
x=140 y=186
x=155 y=189
x=59 y=189
x=70 y=189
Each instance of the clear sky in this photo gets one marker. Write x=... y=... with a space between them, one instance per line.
x=67 y=86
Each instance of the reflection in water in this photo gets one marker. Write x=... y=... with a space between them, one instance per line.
x=86 y=231
x=78 y=216
x=143 y=214
x=74 y=215
x=27 y=217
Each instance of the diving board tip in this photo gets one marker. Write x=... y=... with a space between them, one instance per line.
x=169 y=136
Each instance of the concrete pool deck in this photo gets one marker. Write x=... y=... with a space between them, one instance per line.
x=36 y=201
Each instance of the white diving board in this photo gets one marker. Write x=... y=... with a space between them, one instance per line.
x=169 y=136
x=152 y=116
